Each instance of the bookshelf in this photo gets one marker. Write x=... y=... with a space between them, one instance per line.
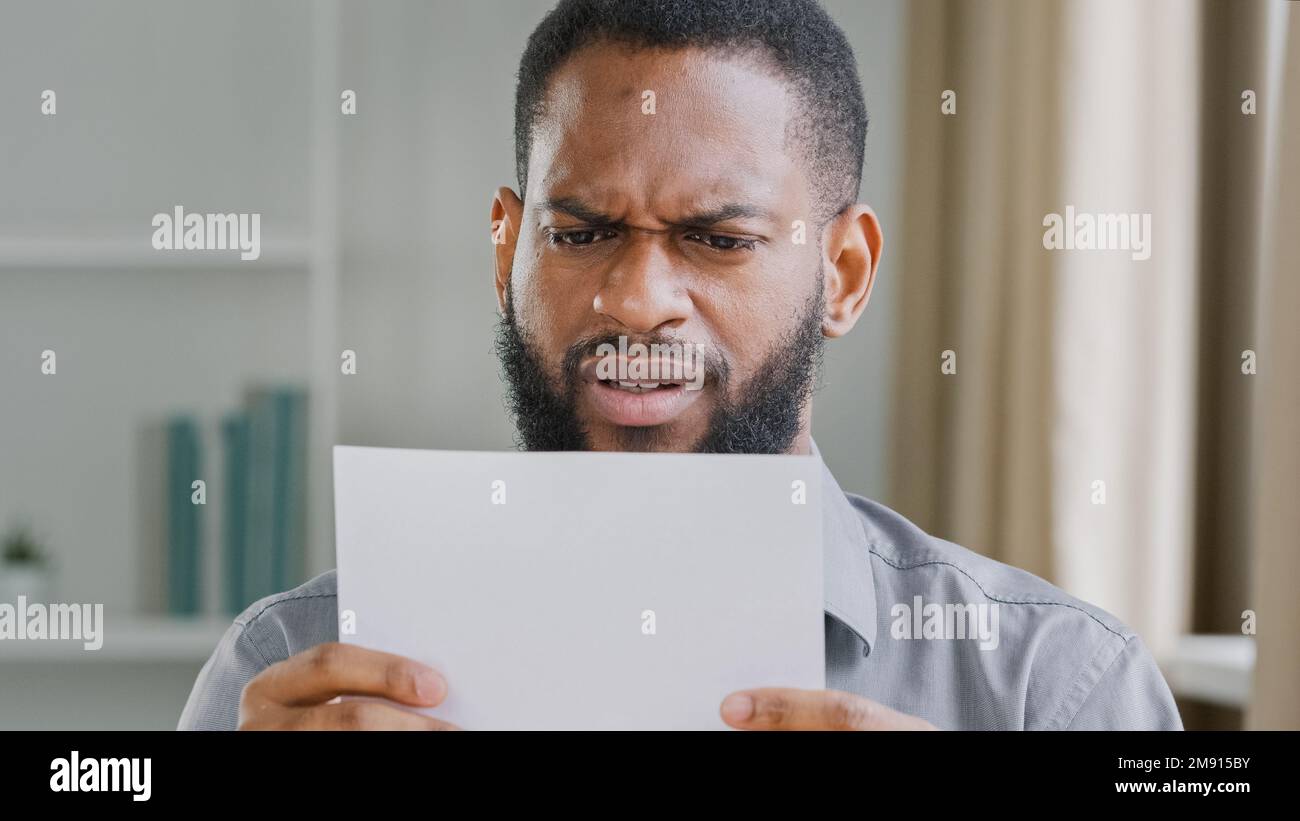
x=81 y=228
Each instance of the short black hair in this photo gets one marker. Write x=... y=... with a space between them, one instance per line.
x=798 y=37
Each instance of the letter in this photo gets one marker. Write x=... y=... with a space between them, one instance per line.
x=917 y=608
x=933 y=622
x=8 y=629
x=162 y=238
x=49 y=363
x=1070 y=221
x=200 y=494
x=116 y=775
x=349 y=366
x=348 y=622
x=607 y=365
x=223 y=231
x=194 y=239
x=1098 y=492
x=498 y=492
x=697 y=372
x=89 y=775
x=948 y=102
x=948 y=362
x=901 y=628
x=178 y=225
x=637 y=366
x=1142 y=238
x=963 y=621
x=799 y=496
x=253 y=249
x=59 y=781
x=1248 y=102
x=991 y=636
x=142 y=787
x=799 y=233
x=1248 y=361
x=1085 y=232
x=1055 y=230
x=647 y=622
x=349 y=104
x=65 y=621
x=93 y=629
x=1248 y=622
x=38 y=622
x=48 y=102
x=647 y=102
x=1113 y=231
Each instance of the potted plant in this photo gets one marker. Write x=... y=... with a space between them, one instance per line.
x=24 y=568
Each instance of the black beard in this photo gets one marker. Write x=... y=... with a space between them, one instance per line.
x=764 y=418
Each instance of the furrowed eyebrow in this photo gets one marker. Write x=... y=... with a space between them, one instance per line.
x=578 y=210
x=703 y=219
x=726 y=212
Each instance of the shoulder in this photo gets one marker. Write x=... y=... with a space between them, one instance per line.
x=287 y=623
x=906 y=554
x=266 y=632
x=1078 y=665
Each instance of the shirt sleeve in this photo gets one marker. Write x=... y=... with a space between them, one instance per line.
x=214 y=701
x=1130 y=694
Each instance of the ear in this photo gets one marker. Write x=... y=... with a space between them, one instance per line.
x=507 y=216
x=851 y=247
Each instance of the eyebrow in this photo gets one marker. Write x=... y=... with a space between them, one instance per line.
x=581 y=211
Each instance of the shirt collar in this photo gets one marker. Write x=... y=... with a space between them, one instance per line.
x=850 y=589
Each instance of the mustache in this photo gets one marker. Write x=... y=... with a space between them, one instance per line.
x=717 y=370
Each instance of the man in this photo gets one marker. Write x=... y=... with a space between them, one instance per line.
x=688 y=173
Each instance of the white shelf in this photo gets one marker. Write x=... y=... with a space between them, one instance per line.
x=137 y=639
x=113 y=252
x=1212 y=668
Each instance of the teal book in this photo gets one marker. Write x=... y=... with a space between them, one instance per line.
x=234 y=526
x=184 y=517
x=274 y=559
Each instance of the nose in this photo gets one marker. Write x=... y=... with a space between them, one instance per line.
x=643 y=290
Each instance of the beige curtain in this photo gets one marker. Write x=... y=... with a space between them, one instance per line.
x=1276 y=463
x=1074 y=368
x=972 y=448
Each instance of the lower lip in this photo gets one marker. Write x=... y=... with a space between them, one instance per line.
x=655 y=407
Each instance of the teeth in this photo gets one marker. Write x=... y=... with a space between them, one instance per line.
x=636 y=387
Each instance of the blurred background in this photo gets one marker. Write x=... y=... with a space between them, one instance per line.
x=1071 y=368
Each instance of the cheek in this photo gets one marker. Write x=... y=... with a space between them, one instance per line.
x=749 y=315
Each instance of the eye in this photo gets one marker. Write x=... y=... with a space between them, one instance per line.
x=722 y=242
x=578 y=238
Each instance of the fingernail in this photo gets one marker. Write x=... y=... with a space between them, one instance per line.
x=738 y=707
x=429 y=686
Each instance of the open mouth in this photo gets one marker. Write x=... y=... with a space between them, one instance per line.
x=639 y=403
x=638 y=386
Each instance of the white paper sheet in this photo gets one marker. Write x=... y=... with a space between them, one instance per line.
x=525 y=578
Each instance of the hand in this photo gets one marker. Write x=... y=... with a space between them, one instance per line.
x=775 y=708
x=303 y=692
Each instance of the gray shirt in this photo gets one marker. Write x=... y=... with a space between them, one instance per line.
x=914 y=622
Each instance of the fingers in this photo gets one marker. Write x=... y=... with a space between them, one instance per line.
x=777 y=708
x=366 y=715
x=331 y=669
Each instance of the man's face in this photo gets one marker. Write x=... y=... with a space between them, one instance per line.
x=666 y=225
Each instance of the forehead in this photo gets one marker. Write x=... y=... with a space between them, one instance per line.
x=716 y=131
